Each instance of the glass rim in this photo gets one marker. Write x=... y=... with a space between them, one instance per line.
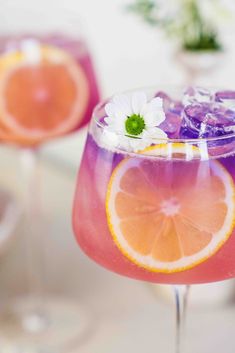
x=103 y=126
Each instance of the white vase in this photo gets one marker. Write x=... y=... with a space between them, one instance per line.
x=199 y=67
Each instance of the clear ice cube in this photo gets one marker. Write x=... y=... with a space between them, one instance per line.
x=167 y=101
x=226 y=98
x=195 y=95
x=171 y=125
x=207 y=120
x=173 y=110
x=207 y=114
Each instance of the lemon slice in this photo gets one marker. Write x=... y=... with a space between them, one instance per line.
x=170 y=215
x=43 y=93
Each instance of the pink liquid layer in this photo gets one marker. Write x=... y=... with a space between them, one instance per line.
x=92 y=231
x=76 y=48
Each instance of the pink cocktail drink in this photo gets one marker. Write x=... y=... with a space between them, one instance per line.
x=165 y=213
x=48 y=89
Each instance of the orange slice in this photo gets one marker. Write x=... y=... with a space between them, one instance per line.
x=43 y=93
x=170 y=215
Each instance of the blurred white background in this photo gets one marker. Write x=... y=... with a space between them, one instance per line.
x=127 y=53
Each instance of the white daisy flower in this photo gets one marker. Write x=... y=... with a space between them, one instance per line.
x=132 y=121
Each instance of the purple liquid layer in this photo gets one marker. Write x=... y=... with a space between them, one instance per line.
x=203 y=114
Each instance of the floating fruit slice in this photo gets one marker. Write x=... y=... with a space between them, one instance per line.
x=7 y=136
x=170 y=215
x=43 y=93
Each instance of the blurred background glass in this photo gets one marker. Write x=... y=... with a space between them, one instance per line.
x=48 y=90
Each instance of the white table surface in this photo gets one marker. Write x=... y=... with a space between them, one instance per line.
x=127 y=315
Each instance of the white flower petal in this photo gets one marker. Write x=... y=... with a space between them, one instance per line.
x=138 y=100
x=156 y=132
x=156 y=103
x=119 y=124
x=139 y=144
x=154 y=118
x=150 y=120
x=122 y=104
x=152 y=108
x=124 y=143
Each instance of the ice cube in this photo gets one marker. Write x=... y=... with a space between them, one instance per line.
x=173 y=110
x=207 y=120
x=193 y=115
x=171 y=125
x=194 y=95
x=226 y=98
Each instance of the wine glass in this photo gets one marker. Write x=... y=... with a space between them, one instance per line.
x=48 y=90
x=160 y=209
x=9 y=218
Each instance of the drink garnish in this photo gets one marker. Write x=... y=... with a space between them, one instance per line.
x=133 y=121
x=135 y=124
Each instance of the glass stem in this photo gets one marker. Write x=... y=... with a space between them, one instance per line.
x=181 y=294
x=35 y=319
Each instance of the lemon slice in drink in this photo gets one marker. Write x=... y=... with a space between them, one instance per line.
x=43 y=93
x=168 y=216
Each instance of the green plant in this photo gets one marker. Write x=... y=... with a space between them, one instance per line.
x=182 y=19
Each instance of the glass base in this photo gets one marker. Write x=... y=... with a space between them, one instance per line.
x=59 y=327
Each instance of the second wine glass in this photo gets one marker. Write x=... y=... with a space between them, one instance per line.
x=48 y=89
